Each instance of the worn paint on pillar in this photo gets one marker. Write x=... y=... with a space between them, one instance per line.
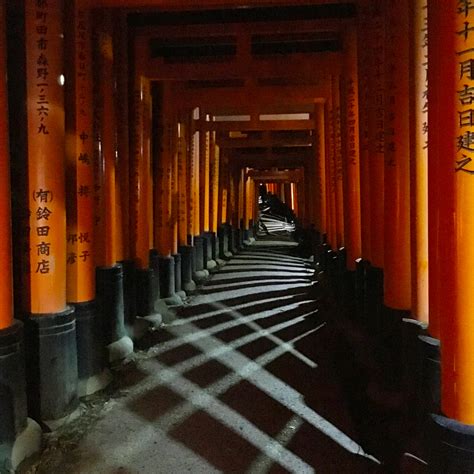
x=419 y=157
x=79 y=157
x=376 y=96
x=363 y=53
x=215 y=156
x=458 y=386
x=6 y=278
x=46 y=164
x=352 y=229
x=105 y=103
x=397 y=263
x=141 y=172
x=336 y=97
x=183 y=229
x=120 y=39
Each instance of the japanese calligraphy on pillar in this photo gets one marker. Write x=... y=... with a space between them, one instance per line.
x=42 y=197
x=351 y=122
x=392 y=91
x=378 y=87
x=182 y=184
x=424 y=76
x=80 y=229
x=465 y=89
x=45 y=79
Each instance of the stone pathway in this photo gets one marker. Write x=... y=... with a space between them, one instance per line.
x=241 y=382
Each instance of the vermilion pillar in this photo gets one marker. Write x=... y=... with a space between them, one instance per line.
x=363 y=54
x=223 y=186
x=241 y=198
x=46 y=166
x=183 y=220
x=457 y=323
x=320 y=150
x=81 y=281
x=204 y=182
x=352 y=226
x=331 y=176
x=6 y=285
x=376 y=134
x=435 y=136
x=215 y=160
x=163 y=163
x=193 y=185
x=141 y=172
x=121 y=72
x=105 y=103
x=419 y=158
x=52 y=366
x=397 y=264
x=338 y=163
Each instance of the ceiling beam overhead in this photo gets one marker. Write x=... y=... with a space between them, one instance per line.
x=247 y=96
x=329 y=25
x=265 y=142
x=254 y=125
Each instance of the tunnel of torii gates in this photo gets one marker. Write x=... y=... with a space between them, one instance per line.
x=135 y=135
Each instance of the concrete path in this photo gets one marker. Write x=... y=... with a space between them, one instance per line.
x=242 y=381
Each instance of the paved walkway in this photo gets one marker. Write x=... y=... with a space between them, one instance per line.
x=242 y=381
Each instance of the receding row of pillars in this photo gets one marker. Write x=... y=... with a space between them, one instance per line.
x=393 y=144
x=119 y=205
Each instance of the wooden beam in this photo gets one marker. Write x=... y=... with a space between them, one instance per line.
x=196 y=4
x=215 y=98
x=266 y=142
x=255 y=125
x=330 y=25
x=300 y=65
x=294 y=175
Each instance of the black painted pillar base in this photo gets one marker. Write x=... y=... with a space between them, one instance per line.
x=168 y=281
x=187 y=258
x=323 y=256
x=210 y=246
x=246 y=237
x=224 y=242
x=391 y=338
x=373 y=299
x=110 y=307
x=360 y=288
x=147 y=294
x=91 y=356
x=20 y=437
x=160 y=306
x=451 y=449
x=236 y=241
x=51 y=365
x=129 y=294
x=429 y=396
x=178 y=283
x=13 y=405
x=348 y=299
x=200 y=274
